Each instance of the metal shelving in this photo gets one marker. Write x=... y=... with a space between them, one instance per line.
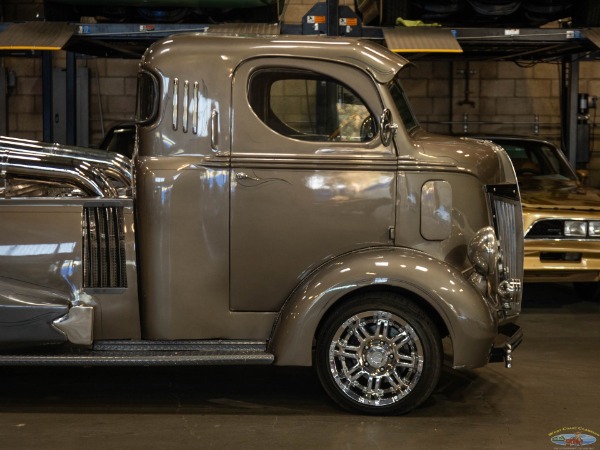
x=129 y=40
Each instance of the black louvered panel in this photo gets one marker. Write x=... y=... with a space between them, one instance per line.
x=104 y=261
x=546 y=229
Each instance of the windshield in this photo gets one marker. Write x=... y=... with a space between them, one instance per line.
x=403 y=106
x=537 y=159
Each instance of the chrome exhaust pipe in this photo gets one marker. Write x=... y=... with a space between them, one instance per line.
x=115 y=166
x=57 y=169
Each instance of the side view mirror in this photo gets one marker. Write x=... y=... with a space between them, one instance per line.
x=388 y=129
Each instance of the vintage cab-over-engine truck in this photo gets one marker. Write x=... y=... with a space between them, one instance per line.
x=282 y=206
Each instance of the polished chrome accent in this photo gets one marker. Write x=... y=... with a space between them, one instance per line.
x=479 y=281
x=245 y=176
x=114 y=166
x=508 y=222
x=77 y=325
x=388 y=129
x=186 y=111
x=508 y=291
x=376 y=358
x=194 y=108
x=214 y=131
x=104 y=259
x=309 y=162
x=510 y=233
x=482 y=251
x=510 y=337
x=508 y=356
x=175 y=102
x=44 y=167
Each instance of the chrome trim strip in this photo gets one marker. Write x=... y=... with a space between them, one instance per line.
x=312 y=163
x=214 y=131
x=561 y=239
x=186 y=111
x=175 y=102
x=194 y=108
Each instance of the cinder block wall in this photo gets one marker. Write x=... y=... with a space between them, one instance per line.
x=485 y=97
x=500 y=97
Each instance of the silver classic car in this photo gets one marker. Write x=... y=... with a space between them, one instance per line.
x=283 y=207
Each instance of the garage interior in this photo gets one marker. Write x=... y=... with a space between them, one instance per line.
x=512 y=78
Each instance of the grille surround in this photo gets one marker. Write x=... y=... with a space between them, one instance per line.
x=508 y=223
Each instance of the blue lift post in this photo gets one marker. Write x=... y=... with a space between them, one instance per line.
x=71 y=98
x=47 y=110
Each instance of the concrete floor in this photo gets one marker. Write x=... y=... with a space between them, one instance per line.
x=553 y=385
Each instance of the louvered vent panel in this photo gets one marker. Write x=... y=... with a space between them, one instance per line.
x=509 y=232
x=104 y=262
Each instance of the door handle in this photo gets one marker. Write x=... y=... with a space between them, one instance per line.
x=244 y=176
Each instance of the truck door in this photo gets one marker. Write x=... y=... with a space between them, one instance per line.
x=310 y=178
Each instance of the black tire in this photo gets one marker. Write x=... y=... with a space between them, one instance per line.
x=588 y=291
x=392 y=354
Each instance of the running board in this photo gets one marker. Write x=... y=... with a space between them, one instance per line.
x=149 y=353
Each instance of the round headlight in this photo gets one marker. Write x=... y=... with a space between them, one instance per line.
x=483 y=251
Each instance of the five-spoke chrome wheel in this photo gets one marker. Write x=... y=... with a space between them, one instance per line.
x=378 y=353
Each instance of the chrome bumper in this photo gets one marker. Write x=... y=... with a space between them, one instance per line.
x=509 y=338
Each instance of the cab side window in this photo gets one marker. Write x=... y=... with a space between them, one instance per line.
x=307 y=106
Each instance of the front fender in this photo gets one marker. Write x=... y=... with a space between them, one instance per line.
x=469 y=319
x=27 y=312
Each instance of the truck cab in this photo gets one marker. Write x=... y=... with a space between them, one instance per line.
x=285 y=208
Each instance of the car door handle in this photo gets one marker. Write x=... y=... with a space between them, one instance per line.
x=244 y=176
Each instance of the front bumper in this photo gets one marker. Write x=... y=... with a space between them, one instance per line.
x=561 y=260
x=509 y=338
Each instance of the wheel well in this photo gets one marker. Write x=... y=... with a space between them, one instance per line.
x=420 y=301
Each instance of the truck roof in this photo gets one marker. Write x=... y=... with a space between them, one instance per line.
x=218 y=50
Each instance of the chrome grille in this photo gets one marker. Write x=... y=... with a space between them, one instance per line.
x=509 y=229
x=104 y=262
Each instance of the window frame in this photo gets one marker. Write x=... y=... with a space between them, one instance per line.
x=140 y=97
x=260 y=95
x=251 y=137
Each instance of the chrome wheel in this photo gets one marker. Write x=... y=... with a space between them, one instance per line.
x=376 y=358
x=378 y=353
